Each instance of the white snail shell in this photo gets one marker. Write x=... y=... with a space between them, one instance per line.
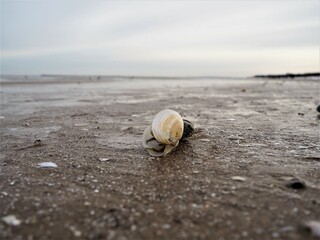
x=167 y=127
x=164 y=134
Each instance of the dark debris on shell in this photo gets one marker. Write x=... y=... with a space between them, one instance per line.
x=188 y=129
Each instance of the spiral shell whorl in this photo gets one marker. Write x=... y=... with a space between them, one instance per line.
x=167 y=127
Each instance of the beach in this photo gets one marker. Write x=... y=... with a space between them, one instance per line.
x=231 y=180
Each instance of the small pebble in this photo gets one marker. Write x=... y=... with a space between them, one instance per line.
x=47 y=165
x=75 y=231
x=318 y=108
x=166 y=226
x=296 y=184
x=37 y=142
x=11 y=220
x=301 y=114
x=150 y=210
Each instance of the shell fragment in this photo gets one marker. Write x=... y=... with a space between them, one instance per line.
x=165 y=132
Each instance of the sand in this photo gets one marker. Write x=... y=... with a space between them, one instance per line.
x=229 y=181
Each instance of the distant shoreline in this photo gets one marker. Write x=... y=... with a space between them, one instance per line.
x=60 y=78
x=289 y=75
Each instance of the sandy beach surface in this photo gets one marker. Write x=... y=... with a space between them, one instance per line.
x=233 y=179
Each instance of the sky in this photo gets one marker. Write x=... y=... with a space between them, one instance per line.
x=160 y=38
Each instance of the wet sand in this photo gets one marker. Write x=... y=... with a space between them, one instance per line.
x=106 y=186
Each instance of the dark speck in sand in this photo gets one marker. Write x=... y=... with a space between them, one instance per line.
x=296 y=184
x=37 y=142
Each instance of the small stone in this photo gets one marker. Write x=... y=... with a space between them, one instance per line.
x=47 y=165
x=301 y=114
x=11 y=220
x=313 y=227
x=75 y=231
x=296 y=184
x=318 y=108
x=37 y=142
x=238 y=178
x=287 y=229
x=166 y=226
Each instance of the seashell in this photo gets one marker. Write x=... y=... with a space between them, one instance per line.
x=155 y=148
x=188 y=129
x=165 y=132
x=167 y=127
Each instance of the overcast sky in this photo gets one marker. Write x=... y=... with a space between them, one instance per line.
x=231 y=38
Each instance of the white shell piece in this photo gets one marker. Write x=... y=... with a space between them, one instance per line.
x=153 y=147
x=47 y=165
x=11 y=220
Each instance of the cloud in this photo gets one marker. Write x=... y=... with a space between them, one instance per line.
x=160 y=35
